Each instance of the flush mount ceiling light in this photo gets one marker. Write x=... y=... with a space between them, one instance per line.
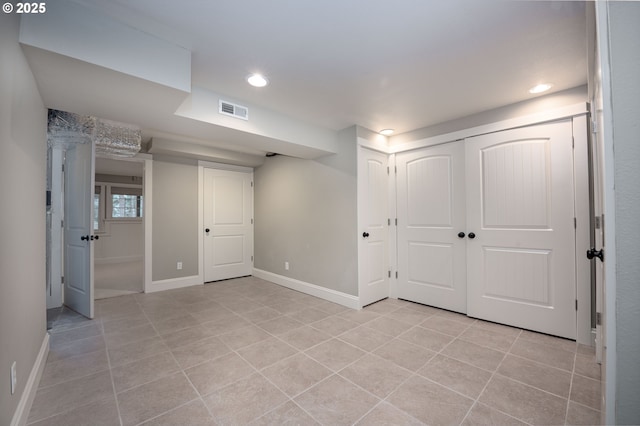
x=257 y=80
x=540 y=88
x=386 y=132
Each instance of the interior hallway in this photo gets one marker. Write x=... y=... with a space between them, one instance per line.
x=249 y=351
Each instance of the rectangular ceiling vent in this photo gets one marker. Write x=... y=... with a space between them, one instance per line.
x=234 y=110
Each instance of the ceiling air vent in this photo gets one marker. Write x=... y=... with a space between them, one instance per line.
x=234 y=110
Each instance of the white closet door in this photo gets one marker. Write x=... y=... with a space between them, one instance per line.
x=373 y=217
x=228 y=240
x=521 y=263
x=431 y=214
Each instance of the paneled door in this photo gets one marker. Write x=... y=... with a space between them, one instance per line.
x=373 y=226
x=520 y=210
x=431 y=226
x=228 y=222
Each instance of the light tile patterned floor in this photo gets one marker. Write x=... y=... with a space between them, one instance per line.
x=247 y=351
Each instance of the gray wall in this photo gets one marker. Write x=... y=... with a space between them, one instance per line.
x=624 y=19
x=306 y=214
x=175 y=219
x=23 y=120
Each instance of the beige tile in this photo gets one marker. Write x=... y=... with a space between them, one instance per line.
x=187 y=336
x=388 y=326
x=586 y=350
x=153 y=399
x=198 y=352
x=382 y=307
x=287 y=414
x=545 y=339
x=429 y=339
x=335 y=401
x=482 y=415
x=479 y=356
x=489 y=338
x=444 y=325
x=261 y=315
x=285 y=306
x=226 y=325
x=77 y=347
x=159 y=313
x=376 y=375
x=74 y=367
x=424 y=309
x=330 y=307
x=100 y=413
x=553 y=356
x=280 y=325
x=215 y=313
x=405 y=354
x=129 y=335
x=244 y=305
x=201 y=306
x=215 y=374
x=143 y=371
x=385 y=414
x=304 y=337
x=454 y=316
x=365 y=338
x=195 y=413
x=430 y=402
x=136 y=350
x=61 y=339
x=309 y=315
x=296 y=374
x=335 y=354
x=358 y=316
x=244 y=401
x=266 y=353
x=586 y=365
x=456 y=375
x=586 y=391
x=524 y=402
x=498 y=328
x=75 y=393
x=244 y=337
x=174 y=324
x=120 y=324
x=581 y=415
x=411 y=315
x=537 y=375
x=334 y=325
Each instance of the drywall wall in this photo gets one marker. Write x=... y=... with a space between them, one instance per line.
x=23 y=148
x=624 y=55
x=305 y=214
x=175 y=219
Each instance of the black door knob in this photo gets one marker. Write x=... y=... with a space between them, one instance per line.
x=365 y=234
x=592 y=252
x=461 y=234
x=84 y=238
x=97 y=237
x=472 y=235
x=206 y=230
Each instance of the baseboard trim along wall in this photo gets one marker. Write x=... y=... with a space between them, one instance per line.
x=328 y=294
x=24 y=406
x=174 y=283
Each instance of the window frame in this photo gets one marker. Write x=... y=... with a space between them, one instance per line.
x=105 y=218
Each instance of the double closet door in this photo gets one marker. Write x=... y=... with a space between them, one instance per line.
x=486 y=227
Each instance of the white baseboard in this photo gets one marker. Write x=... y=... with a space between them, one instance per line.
x=328 y=294
x=24 y=406
x=174 y=283
x=110 y=260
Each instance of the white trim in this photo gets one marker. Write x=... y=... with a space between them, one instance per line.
x=147 y=219
x=222 y=166
x=21 y=414
x=328 y=294
x=526 y=120
x=173 y=283
x=381 y=145
x=393 y=229
x=112 y=260
x=201 y=220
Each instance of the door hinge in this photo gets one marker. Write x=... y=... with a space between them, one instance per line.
x=594 y=126
x=61 y=280
x=389 y=273
x=575 y=223
x=387 y=169
x=252 y=184
x=396 y=221
x=62 y=223
x=396 y=169
x=598 y=318
x=252 y=221
x=252 y=258
x=576 y=304
x=389 y=221
x=596 y=222
x=63 y=167
x=396 y=274
x=573 y=142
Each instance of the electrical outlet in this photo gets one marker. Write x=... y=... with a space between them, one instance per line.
x=179 y=266
x=14 y=378
x=286 y=266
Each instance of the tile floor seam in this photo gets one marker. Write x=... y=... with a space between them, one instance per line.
x=566 y=414
x=75 y=377
x=113 y=384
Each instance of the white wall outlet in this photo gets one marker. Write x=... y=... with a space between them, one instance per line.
x=286 y=266
x=14 y=378
x=179 y=266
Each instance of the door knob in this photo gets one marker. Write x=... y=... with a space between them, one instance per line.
x=84 y=238
x=365 y=234
x=472 y=235
x=592 y=252
x=94 y=237
x=206 y=230
x=461 y=234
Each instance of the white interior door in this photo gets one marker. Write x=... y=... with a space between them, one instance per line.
x=373 y=221
x=78 y=228
x=431 y=226
x=521 y=263
x=597 y=167
x=228 y=222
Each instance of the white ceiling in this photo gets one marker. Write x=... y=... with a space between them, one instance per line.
x=405 y=64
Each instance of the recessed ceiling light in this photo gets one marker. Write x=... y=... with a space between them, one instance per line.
x=386 y=132
x=257 y=80
x=540 y=88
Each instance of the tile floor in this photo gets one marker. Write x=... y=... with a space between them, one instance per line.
x=247 y=351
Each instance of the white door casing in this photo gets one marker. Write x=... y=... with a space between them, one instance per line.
x=78 y=227
x=228 y=210
x=431 y=214
x=521 y=264
x=373 y=226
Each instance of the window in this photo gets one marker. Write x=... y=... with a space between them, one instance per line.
x=116 y=203
x=98 y=201
x=126 y=202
